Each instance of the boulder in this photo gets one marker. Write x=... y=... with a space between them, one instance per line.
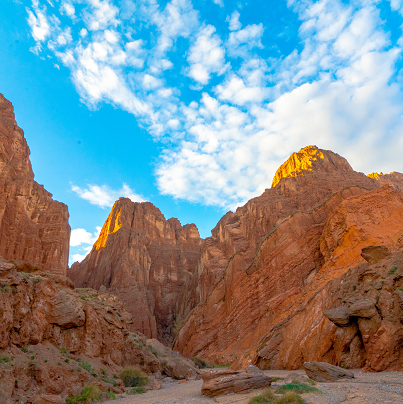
x=291 y=377
x=180 y=368
x=243 y=382
x=325 y=372
x=362 y=308
x=338 y=316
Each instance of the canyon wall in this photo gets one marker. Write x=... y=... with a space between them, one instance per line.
x=268 y=273
x=33 y=227
x=145 y=260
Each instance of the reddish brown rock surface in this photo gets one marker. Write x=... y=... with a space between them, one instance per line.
x=33 y=227
x=49 y=329
x=145 y=260
x=268 y=273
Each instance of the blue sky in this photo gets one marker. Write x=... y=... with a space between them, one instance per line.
x=193 y=105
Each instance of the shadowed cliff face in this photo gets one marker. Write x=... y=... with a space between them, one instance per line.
x=268 y=260
x=145 y=260
x=33 y=227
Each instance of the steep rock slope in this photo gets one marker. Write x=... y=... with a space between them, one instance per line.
x=266 y=261
x=33 y=227
x=145 y=260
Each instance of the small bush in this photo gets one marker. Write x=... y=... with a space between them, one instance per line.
x=88 y=367
x=266 y=397
x=133 y=377
x=200 y=363
x=392 y=270
x=5 y=287
x=136 y=390
x=297 y=387
x=290 y=398
x=89 y=395
x=24 y=349
x=5 y=359
x=111 y=394
x=63 y=350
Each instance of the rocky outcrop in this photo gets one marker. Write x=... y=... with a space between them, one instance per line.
x=264 y=278
x=55 y=339
x=324 y=372
x=33 y=227
x=145 y=260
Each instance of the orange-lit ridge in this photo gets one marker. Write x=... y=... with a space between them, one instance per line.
x=112 y=225
x=297 y=163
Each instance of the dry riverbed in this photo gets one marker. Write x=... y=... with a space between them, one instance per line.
x=371 y=388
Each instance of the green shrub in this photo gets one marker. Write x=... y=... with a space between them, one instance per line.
x=136 y=390
x=297 y=387
x=133 y=377
x=5 y=287
x=4 y=359
x=88 y=367
x=24 y=349
x=392 y=270
x=200 y=363
x=63 y=350
x=89 y=395
x=111 y=394
x=266 y=397
x=290 y=397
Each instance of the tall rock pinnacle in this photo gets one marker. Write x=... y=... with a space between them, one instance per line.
x=33 y=227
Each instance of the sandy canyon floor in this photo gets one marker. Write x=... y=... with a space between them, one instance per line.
x=384 y=387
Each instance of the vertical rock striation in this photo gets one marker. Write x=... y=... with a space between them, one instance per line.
x=251 y=299
x=33 y=227
x=145 y=260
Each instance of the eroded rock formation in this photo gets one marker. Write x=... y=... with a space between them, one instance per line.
x=268 y=273
x=54 y=339
x=33 y=227
x=145 y=260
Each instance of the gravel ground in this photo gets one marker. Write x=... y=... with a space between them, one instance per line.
x=368 y=388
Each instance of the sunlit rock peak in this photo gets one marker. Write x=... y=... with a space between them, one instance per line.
x=310 y=158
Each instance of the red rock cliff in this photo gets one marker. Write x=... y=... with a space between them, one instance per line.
x=33 y=227
x=265 y=263
x=145 y=260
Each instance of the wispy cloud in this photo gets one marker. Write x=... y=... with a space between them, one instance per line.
x=341 y=88
x=104 y=196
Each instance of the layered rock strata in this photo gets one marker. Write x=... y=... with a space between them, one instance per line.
x=266 y=264
x=54 y=339
x=33 y=227
x=145 y=260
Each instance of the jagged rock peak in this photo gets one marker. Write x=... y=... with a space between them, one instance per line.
x=124 y=213
x=311 y=158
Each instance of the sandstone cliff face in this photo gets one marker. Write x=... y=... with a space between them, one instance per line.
x=51 y=335
x=33 y=227
x=145 y=260
x=267 y=261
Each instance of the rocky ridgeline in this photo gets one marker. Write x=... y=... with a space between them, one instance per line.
x=145 y=260
x=274 y=267
x=55 y=339
x=33 y=227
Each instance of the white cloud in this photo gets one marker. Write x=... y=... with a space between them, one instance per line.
x=38 y=21
x=77 y=258
x=206 y=55
x=340 y=89
x=81 y=236
x=104 y=196
x=68 y=8
x=234 y=23
x=219 y=2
